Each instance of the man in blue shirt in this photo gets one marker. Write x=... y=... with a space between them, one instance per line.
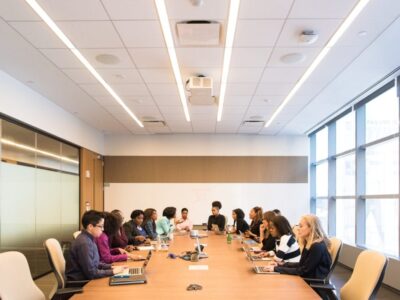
x=84 y=262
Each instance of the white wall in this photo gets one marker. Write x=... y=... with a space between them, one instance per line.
x=292 y=199
x=24 y=104
x=206 y=145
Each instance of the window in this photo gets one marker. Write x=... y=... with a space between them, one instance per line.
x=360 y=180
x=346 y=133
x=382 y=116
x=345 y=220
x=382 y=225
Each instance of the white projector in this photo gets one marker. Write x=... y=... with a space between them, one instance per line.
x=201 y=90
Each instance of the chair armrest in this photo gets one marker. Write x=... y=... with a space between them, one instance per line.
x=315 y=280
x=329 y=287
x=68 y=291
x=76 y=283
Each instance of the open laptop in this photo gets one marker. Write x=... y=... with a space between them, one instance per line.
x=199 y=249
x=216 y=229
x=133 y=275
x=254 y=257
x=261 y=270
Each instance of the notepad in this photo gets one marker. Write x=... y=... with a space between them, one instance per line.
x=145 y=248
x=198 y=267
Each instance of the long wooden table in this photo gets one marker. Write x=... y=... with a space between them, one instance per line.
x=230 y=276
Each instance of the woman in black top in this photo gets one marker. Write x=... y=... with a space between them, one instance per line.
x=216 y=218
x=256 y=215
x=266 y=238
x=315 y=261
x=239 y=223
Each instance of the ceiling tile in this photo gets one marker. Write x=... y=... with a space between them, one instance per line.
x=163 y=89
x=131 y=101
x=150 y=57
x=282 y=75
x=74 y=10
x=203 y=118
x=209 y=10
x=167 y=100
x=94 y=89
x=130 y=89
x=203 y=109
x=171 y=109
x=290 y=35
x=140 y=33
x=232 y=117
x=310 y=54
x=175 y=117
x=199 y=57
x=109 y=75
x=244 y=75
x=38 y=34
x=91 y=34
x=240 y=89
x=234 y=109
x=250 y=57
x=267 y=100
x=257 y=33
x=17 y=10
x=237 y=100
x=157 y=75
x=124 y=61
x=305 y=9
x=274 y=88
x=131 y=9
x=62 y=58
x=264 y=9
x=80 y=75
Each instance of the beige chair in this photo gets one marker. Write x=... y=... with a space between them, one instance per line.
x=75 y=234
x=64 y=288
x=16 y=282
x=365 y=280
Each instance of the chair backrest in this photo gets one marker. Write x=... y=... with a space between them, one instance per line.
x=76 y=233
x=367 y=276
x=56 y=260
x=334 y=251
x=16 y=282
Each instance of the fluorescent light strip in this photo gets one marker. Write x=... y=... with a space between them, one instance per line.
x=45 y=17
x=232 y=20
x=333 y=40
x=169 y=41
x=31 y=149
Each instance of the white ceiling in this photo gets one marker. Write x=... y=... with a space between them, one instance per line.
x=258 y=81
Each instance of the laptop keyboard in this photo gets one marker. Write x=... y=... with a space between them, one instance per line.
x=136 y=271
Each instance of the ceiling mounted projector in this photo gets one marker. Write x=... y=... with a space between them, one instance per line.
x=308 y=37
x=201 y=90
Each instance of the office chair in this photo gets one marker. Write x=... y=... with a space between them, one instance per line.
x=75 y=234
x=334 y=251
x=365 y=280
x=16 y=281
x=57 y=263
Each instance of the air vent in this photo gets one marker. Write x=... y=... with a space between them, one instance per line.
x=253 y=123
x=154 y=124
x=198 y=33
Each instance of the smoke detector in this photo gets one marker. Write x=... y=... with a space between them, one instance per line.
x=308 y=37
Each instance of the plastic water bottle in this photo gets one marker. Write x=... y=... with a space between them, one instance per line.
x=158 y=246
x=229 y=238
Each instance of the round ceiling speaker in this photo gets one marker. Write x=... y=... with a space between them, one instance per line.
x=293 y=58
x=107 y=59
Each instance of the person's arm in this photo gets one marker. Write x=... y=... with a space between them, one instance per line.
x=310 y=263
x=148 y=227
x=165 y=226
x=190 y=224
x=221 y=222
x=87 y=263
x=129 y=233
x=209 y=225
x=105 y=251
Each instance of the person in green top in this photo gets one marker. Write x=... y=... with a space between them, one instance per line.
x=164 y=226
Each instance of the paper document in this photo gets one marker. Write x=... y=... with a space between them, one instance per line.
x=145 y=248
x=198 y=267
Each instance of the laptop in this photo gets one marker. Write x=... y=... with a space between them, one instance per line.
x=261 y=270
x=133 y=275
x=199 y=249
x=253 y=257
x=216 y=229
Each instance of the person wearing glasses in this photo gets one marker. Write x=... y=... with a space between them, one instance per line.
x=84 y=261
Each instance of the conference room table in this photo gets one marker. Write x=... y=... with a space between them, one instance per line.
x=229 y=276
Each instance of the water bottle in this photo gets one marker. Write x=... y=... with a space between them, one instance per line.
x=229 y=238
x=158 y=246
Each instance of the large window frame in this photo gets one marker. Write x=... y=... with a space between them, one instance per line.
x=360 y=196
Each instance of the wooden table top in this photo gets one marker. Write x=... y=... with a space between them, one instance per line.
x=230 y=276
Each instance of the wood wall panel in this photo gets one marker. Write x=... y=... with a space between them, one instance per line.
x=203 y=169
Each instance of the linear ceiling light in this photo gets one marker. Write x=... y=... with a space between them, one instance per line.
x=343 y=27
x=31 y=149
x=169 y=41
x=45 y=17
x=230 y=34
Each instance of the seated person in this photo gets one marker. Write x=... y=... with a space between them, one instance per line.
x=164 y=225
x=149 y=223
x=109 y=255
x=267 y=240
x=184 y=223
x=216 y=218
x=315 y=261
x=239 y=223
x=256 y=216
x=277 y=212
x=84 y=262
x=119 y=240
x=286 y=249
x=133 y=229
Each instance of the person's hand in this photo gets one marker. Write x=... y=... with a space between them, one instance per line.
x=247 y=233
x=273 y=263
x=117 y=269
x=122 y=251
x=280 y=263
x=135 y=257
x=130 y=248
x=262 y=228
x=268 y=268
x=140 y=238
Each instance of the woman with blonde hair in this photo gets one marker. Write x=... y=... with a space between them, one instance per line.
x=315 y=259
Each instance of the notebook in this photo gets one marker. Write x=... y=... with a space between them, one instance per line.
x=134 y=275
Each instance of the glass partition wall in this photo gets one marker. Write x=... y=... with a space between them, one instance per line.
x=39 y=192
